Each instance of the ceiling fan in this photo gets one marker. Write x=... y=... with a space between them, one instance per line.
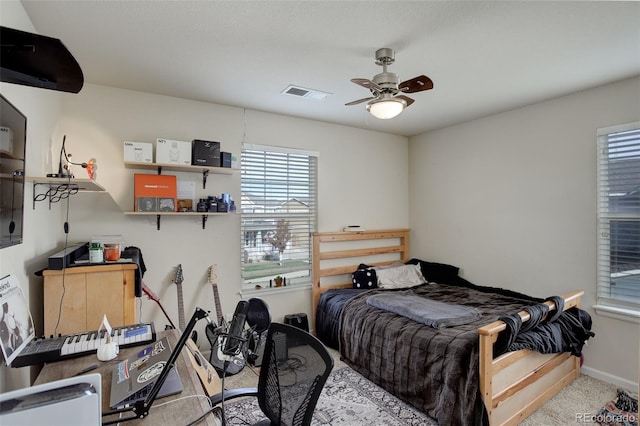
x=388 y=98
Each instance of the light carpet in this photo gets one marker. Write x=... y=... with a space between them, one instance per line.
x=347 y=399
x=573 y=405
x=576 y=404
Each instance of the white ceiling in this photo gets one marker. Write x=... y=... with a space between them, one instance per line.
x=483 y=56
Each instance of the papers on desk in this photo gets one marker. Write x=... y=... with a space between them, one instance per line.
x=16 y=324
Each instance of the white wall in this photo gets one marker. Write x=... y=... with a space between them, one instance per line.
x=351 y=187
x=511 y=199
x=42 y=227
x=98 y=120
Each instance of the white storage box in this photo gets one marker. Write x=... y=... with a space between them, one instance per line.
x=173 y=152
x=141 y=152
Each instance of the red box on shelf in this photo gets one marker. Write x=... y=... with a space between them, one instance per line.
x=154 y=193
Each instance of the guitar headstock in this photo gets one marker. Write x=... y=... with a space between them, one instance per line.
x=213 y=274
x=178 y=278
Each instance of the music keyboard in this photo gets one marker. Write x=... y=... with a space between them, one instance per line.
x=39 y=351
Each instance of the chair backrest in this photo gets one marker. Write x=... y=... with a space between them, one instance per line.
x=294 y=369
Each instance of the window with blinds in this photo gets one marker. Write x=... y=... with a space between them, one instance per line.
x=619 y=216
x=278 y=213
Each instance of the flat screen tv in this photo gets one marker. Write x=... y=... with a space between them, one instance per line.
x=13 y=138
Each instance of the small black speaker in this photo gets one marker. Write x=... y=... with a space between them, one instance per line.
x=297 y=320
x=225 y=159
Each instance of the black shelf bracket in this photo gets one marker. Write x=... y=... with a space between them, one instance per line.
x=55 y=192
x=205 y=173
x=158 y=222
x=204 y=220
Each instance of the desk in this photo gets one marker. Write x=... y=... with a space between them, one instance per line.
x=176 y=413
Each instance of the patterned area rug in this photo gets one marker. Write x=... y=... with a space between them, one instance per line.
x=347 y=399
x=622 y=411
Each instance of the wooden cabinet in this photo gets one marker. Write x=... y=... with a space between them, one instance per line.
x=89 y=292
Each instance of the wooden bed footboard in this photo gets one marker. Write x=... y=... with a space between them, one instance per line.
x=516 y=384
x=512 y=385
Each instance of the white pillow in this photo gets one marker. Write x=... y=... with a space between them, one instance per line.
x=393 y=265
x=400 y=276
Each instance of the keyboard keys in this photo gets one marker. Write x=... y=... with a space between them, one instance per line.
x=39 y=351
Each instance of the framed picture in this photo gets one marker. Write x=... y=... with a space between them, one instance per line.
x=147 y=204
x=167 y=204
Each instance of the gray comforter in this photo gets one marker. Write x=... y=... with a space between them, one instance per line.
x=435 y=370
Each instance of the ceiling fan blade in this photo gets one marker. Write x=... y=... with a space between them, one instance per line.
x=365 y=82
x=406 y=98
x=417 y=84
x=359 y=101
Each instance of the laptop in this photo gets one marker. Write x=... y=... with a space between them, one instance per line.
x=133 y=378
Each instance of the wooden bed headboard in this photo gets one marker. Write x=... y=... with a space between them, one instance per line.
x=339 y=245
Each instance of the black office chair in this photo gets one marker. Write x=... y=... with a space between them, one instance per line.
x=295 y=367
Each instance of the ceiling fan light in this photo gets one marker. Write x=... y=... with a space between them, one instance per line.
x=386 y=108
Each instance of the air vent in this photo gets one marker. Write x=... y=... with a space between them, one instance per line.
x=303 y=92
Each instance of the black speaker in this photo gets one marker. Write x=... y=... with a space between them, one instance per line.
x=297 y=320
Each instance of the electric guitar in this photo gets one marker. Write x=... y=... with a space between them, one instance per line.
x=181 y=321
x=178 y=282
x=152 y=296
x=216 y=335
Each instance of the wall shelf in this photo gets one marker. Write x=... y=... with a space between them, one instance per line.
x=9 y=155
x=205 y=215
x=160 y=167
x=61 y=188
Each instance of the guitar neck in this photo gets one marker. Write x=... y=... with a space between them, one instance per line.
x=213 y=279
x=178 y=280
x=152 y=296
x=181 y=321
x=216 y=296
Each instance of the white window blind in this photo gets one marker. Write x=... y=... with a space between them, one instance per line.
x=619 y=216
x=278 y=213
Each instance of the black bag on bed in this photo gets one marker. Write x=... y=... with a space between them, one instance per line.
x=364 y=277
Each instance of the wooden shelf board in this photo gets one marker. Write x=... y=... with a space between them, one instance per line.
x=9 y=155
x=178 y=214
x=83 y=184
x=179 y=168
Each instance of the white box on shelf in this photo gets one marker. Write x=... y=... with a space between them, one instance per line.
x=140 y=152
x=173 y=152
x=6 y=139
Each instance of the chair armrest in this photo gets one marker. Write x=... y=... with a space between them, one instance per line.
x=231 y=394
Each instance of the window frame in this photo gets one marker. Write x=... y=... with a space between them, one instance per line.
x=301 y=220
x=620 y=307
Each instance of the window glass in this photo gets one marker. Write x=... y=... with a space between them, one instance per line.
x=278 y=211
